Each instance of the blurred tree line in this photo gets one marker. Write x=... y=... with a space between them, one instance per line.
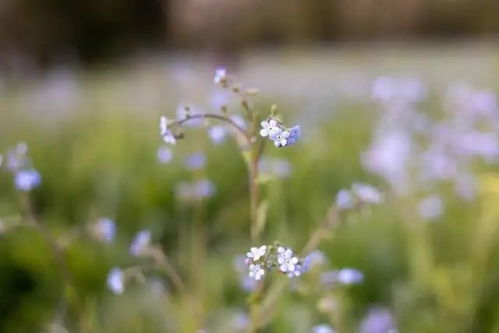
x=88 y=31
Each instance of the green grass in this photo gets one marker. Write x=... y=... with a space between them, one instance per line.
x=98 y=159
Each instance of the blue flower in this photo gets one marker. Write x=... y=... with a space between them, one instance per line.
x=195 y=161
x=217 y=133
x=344 y=199
x=26 y=180
x=140 y=243
x=105 y=229
x=164 y=155
x=116 y=281
x=295 y=133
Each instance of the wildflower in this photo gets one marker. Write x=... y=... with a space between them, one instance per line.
x=349 y=276
x=378 y=320
x=256 y=253
x=367 y=193
x=104 y=229
x=17 y=157
x=220 y=76
x=270 y=128
x=344 y=276
x=314 y=258
x=286 y=260
x=431 y=207
x=195 y=161
x=140 y=243
x=165 y=132
x=322 y=328
x=281 y=139
x=26 y=180
x=256 y=271
x=164 y=155
x=344 y=199
x=217 y=133
x=116 y=281
x=298 y=270
x=294 y=134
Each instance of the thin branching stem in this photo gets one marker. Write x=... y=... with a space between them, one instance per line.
x=213 y=116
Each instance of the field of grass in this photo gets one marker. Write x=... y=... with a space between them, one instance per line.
x=93 y=136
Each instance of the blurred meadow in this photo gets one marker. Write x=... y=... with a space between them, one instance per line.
x=118 y=231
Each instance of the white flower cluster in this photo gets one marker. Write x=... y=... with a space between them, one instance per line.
x=265 y=258
x=278 y=133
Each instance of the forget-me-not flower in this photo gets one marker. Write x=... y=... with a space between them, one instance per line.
x=256 y=271
x=116 y=281
x=26 y=180
x=255 y=253
x=165 y=132
x=140 y=242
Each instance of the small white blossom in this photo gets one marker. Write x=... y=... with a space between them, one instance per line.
x=286 y=260
x=270 y=128
x=256 y=271
x=256 y=253
x=281 y=139
x=297 y=272
x=165 y=132
x=140 y=242
x=220 y=76
x=116 y=281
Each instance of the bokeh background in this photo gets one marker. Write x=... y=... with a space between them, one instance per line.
x=400 y=94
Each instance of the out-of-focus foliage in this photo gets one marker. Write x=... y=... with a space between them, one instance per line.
x=94 y=138
x=46 y=32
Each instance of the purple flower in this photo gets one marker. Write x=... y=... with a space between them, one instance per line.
x=140 y=243
x=164 y=155
x=217 y=133
x=105 y=229
x=378 y=320
x=26 y=180
x=195 y=161
x=116 y=281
